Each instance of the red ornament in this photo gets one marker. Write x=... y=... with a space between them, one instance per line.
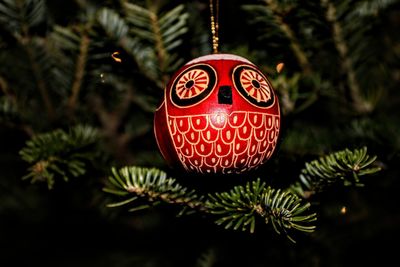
x=219 y=115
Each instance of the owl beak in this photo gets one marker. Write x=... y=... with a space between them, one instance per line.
x=225 y=95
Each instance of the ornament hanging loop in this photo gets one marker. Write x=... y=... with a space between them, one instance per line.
x=214 y=10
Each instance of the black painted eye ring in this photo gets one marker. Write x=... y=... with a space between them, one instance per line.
x=253 y=86
x=193 y=85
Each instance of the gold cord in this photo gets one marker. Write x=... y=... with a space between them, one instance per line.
x=214 y=24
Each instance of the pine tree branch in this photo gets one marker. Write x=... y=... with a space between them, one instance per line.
x=346 y=167
x=238 y=208
x=117 y=28
x=158 y=34
x=60 y=154
x=150 y=184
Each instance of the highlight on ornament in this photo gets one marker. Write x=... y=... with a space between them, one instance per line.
x=219 y=114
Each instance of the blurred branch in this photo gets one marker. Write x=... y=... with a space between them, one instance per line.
x=359 y=104
x=111 y=123
x=158 y=42
x=79 y=73
x=207 y=259
x=4 y=87
x=299 y=53
x=44 y=93
x=28 y=18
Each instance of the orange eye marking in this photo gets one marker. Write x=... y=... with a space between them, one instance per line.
x=192 y=83
x=255 y=85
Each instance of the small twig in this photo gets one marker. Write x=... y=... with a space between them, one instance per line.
x=79 y=73
x=159 y=44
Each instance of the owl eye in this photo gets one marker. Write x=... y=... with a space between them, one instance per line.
x=193 y=85
x=253 y=86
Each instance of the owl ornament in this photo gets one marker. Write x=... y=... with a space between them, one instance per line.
x=219 y=115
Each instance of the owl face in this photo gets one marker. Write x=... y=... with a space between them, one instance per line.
x=219 y=115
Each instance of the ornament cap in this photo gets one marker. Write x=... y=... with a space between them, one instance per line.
x=219 y=57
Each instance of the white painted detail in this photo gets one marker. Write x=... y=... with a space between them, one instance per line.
x=219 y=57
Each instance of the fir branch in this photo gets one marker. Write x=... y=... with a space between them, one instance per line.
x=114 y=25
x=344 y=166
x=59 y=154
x=117 y=28
x=19 y=17
x=148 y=35
x=150 y=184
x=162 y=32
x=241 y=206
x=158 y=42
x=238 y=208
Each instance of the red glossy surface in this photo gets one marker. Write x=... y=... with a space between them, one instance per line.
x=205 y=129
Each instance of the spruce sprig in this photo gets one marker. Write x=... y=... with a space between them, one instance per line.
x=60 y=154
x=241 y=206
x=346 y=167
x=238 y=208
x=151 y=184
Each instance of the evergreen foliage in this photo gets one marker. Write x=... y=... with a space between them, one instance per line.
x=59 y=153
x=237 y=209
x=241 y=205
x=80 y=81
x=344 y=166
x=151 y=184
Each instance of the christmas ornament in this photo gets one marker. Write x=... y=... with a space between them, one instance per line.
x=219 y=115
